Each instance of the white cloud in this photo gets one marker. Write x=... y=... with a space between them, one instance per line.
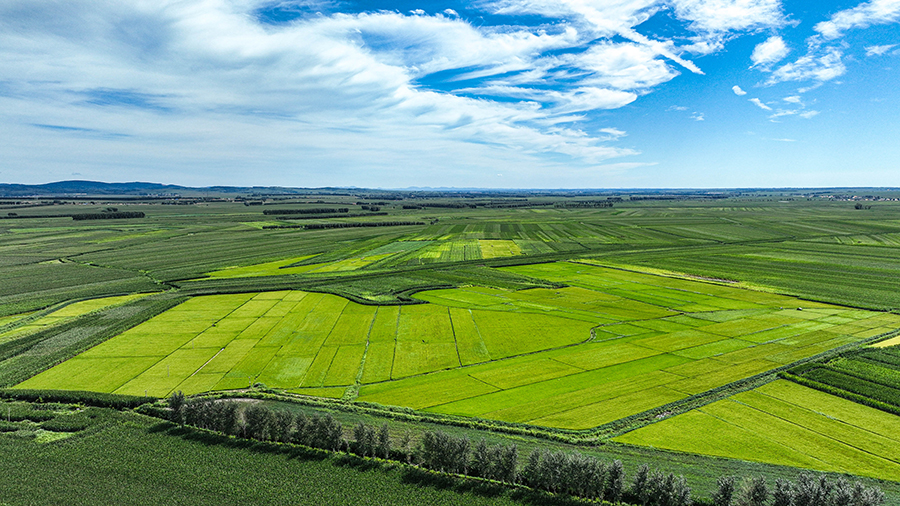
x=876 y=12
x=451 y=12
x=623 y=66
x=613 y=134
x=819 y=67
x=879 y=50
x=759 y=104
x=738 y=91
x=729 y=15
x=809 y=114
x=307 y=89
x=562 y=102
x=698 y=116
x=769 y=52
x=793 y=99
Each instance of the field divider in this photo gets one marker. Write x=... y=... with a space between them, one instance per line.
x=618 y=427
x=208 y=361
x=767 y=438
x=822 y=434
x=353 y=390
x=895 y=460
x=455 y=341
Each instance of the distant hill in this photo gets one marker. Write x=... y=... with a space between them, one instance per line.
x=89 y=188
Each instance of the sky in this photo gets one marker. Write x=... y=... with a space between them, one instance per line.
x=452 y=93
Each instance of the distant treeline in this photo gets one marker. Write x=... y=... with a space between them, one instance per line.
x=571 y=473
x=444 y=205
x=109 y=213
x=315 y=210
x=320 y=226
x=108 y=216
x=327 y=216
x=518 y=204
x=586 y=204
x=15 y=216
x=679 y=197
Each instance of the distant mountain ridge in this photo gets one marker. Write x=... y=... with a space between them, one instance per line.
x=73 y=188
x=77 y=188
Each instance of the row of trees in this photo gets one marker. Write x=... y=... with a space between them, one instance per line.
x=574 y=474
x=108 y=215
x=570 y=473
x=256 y=421
x=808 y=490
x=314 y=210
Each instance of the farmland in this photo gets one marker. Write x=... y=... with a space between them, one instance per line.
x=613 y=344
x=788 y=424
x=654 y=322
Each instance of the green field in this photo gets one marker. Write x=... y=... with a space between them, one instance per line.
x=614 y=344
x=787 y=424
x=18 y=327
x=538 y=309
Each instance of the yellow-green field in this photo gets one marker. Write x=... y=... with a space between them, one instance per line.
x=613 y=344
x=788 y=424
x=62 y=315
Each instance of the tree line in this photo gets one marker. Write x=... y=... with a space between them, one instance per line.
x=571 y=473
x=108 y=215
x=315 y=210
x=320 y=226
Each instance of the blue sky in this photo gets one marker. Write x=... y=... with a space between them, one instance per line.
x=484 y=93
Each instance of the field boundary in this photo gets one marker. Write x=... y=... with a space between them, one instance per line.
x=658 y=414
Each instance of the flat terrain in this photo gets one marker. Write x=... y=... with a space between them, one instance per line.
x=788 y=424
x=647 y=319
x=614 y=344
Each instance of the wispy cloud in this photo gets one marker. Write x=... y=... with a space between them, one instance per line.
x=819 y=66
x=318 y=87
x=879 y=50
x=760 y=104
x=876 y=12
x=716 y=16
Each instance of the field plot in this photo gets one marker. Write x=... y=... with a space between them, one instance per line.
x=612 y=344
x=63 y=314
x=869 y=374
x=498 y=248
x=787 y=424
x=655 y=340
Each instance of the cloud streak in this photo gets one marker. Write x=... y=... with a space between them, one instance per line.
x=864 y=15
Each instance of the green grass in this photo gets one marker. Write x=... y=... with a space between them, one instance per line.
x=62 y=315
x=124 y=458
x=495 y=348
x=788 y=424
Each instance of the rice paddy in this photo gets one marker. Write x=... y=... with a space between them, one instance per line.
x=787 y=424
x=612 y=344
x=61 y=315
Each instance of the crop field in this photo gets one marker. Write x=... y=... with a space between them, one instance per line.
x=553 y=310
x=613 y=344
x=61 y=315
x=869 y=374
x=787 y=424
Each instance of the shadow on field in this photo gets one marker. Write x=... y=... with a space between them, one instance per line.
x=213 y=439
x=425 y=478
x=408 y=475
